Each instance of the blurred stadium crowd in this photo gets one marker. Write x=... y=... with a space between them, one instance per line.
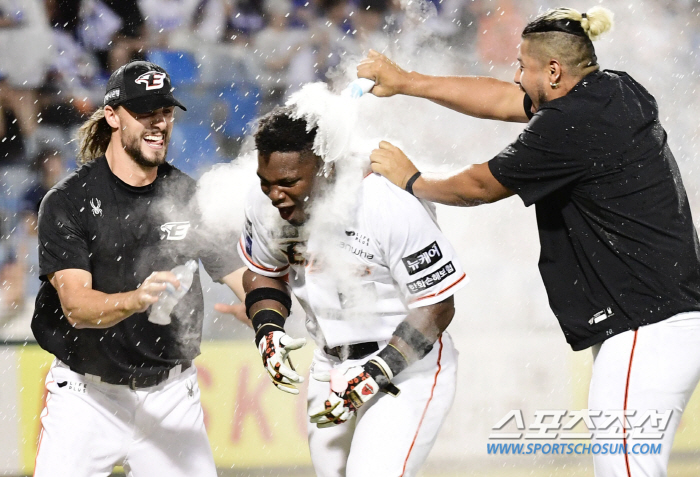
x=230 y=60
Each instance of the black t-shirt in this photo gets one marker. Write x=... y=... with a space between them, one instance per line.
x=120 y=234
x=619 y=249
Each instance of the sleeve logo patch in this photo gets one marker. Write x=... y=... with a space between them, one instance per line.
x=431 y=280
x=174 y=230
x=248 y=237
x=422 y=259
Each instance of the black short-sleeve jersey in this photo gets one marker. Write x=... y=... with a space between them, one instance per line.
x=120 y=234
x=619 y=249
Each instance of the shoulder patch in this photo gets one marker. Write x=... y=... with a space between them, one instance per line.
x=422 y=259
x=432 y=279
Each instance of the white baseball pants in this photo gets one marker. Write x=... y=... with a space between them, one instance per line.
x=390 y=436
x=89 y=427
x=655 y=368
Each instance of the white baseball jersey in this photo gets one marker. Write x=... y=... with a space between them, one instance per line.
x=394 y=258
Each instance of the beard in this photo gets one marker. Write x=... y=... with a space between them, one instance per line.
x=132 y=146
x=541 y=96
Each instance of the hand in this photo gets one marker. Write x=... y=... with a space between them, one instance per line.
x=389 y=78
x=350 y=390
x=392 y=163
x=235 y=309
x=274 y=349
x=149 y=291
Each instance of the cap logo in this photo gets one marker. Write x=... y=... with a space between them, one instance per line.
x=152 y=80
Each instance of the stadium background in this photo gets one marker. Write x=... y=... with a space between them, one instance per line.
x=234 y=59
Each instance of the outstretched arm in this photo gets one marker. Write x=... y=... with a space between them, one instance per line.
x=477 y=96
x=473 y=185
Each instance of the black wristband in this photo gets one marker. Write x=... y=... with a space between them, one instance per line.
x=393 y=358
x=265 y=321
x=409 y=184
x=267 y=293
x=420 y=344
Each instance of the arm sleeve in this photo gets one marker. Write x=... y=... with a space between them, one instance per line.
x=256 y=248
x=422 y=261
x=63 y=242
x=545 y=158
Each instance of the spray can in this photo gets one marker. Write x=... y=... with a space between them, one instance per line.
x=358 y=87
x=160 y=311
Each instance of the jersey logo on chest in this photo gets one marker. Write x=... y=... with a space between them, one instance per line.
x=95 y=204
x=174 y=230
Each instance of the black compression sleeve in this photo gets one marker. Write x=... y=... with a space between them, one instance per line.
x=267 y=293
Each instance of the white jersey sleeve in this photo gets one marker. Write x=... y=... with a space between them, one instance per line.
x=421 y=260
x=257 y=246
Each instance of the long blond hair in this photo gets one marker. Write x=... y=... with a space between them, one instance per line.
x=93 y=137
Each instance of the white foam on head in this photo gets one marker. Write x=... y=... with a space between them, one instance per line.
x=333 y=114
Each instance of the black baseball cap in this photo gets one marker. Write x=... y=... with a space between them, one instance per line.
x=141 y=87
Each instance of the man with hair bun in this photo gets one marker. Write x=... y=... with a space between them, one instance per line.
x=620 y=257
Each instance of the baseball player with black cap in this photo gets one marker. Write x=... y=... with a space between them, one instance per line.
x=123 y=390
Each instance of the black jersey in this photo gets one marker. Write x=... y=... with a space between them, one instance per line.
x=619 y=248
x=120 y=234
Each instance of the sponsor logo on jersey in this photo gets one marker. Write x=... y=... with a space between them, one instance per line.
x=73 y=386
x=357 y=251
x=152 y=80
x=174 y=230
x=422 y=259
x=431 y=280
x=601 y=315
x=95 y=204
x=363 y=239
